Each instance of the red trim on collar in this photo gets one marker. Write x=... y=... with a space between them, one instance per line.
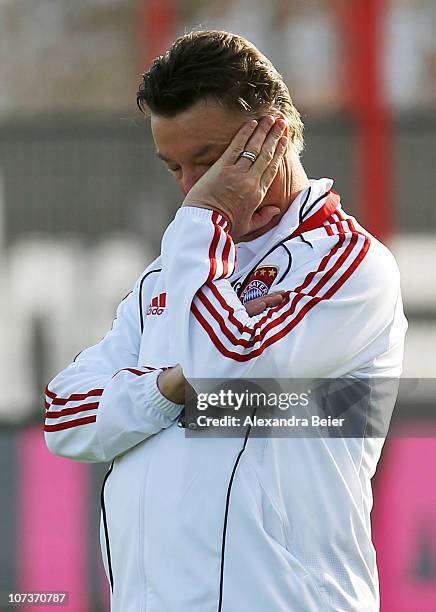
x=316 y=220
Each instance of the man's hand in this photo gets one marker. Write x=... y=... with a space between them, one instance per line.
x=172 y=383
x=236 y=187
x=255 y=307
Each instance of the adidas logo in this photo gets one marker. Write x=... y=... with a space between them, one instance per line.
x=157 y=305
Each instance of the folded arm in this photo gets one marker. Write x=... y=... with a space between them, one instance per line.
x=103 y=404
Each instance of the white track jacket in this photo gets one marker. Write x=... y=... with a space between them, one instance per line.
x=223 y=524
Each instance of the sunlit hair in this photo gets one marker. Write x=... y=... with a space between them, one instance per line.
x=222 y=66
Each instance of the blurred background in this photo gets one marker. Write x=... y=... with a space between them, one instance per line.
x=84 y=202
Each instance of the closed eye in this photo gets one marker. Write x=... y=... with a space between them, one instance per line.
x=173 y=168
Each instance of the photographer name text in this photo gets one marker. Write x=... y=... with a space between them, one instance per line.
x=254 y=421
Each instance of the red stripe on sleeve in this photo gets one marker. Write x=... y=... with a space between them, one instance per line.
x=135 y=371
x=212 y=251
x=69 y=424
x=61 y=401
x=226 y=253
x=56 y=414
x=272 y=311
x=328 y=229
x=289 y=326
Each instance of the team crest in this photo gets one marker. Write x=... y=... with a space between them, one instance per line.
x=259 y=283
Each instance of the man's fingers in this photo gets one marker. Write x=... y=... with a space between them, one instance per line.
x=258 y=305
x=171 y=384
x=238 y=144
x=255 y=143
x=273 y=299
x=269 y=147
x=260 y=138
x=272 y=169
x=255 y=307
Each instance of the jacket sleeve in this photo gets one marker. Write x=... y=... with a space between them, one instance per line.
x=337 y=316
x=103 y=404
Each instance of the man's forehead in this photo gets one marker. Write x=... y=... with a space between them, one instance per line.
x=201 y=130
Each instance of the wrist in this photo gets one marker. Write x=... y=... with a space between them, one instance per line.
x=228 y=217
x=157 y=400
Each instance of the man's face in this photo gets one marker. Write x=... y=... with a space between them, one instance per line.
x=192 y=141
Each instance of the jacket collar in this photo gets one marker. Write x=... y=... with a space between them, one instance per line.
x=308 y=211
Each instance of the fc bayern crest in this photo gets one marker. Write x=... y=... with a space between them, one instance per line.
x=259 y=283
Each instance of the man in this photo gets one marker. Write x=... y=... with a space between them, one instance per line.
x=230 y=524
